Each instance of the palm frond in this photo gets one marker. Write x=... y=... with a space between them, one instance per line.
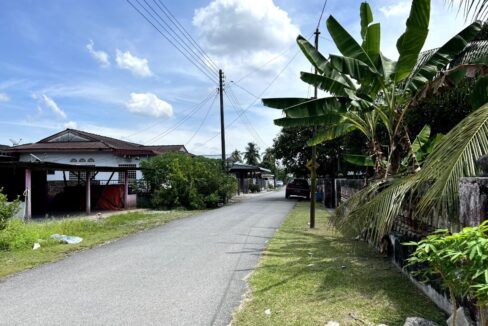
x=374 y=219
x=453 y=158
x=477 y=9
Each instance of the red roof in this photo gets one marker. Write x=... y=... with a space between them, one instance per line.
x=71 y=140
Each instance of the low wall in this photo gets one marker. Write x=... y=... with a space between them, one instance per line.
x=345 y=188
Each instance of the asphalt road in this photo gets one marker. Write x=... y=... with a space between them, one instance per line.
x=188 y=272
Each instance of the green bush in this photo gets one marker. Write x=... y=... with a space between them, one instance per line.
x=459 y=259
x=7 y=210
x=254 y=188
x=179 y=180
x=15 y=236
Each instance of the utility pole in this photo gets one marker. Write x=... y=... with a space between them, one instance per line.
x=314 y=151
x=222 y=127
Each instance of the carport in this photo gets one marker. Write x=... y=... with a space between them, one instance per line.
x=29 y=180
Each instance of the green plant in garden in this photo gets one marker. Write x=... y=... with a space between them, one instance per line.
x=179 y=180
x=7 y=210
x=459 y=259
x=367 y=89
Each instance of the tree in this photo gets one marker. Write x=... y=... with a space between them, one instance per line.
x=368 y=89
x=290 y=147
x=179 y=180
x=236 y=156
x=251 y=155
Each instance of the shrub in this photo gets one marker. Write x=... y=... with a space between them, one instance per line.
x=459 y=259
x=16 y=235
x=7 y=210
x=178 y=180
x=254 y=188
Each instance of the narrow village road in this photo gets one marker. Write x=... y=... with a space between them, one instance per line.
x=188 y=272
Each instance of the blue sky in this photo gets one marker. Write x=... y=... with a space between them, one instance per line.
x=100 y=67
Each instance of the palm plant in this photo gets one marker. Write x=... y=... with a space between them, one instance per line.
x=478 y=9
x=236 y=156
x=368 y=89
x=251 y=155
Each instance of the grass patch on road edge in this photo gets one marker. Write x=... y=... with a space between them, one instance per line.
x=310 y=277
x=16 y=240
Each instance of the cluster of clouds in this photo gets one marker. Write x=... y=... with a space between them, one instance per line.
x=139 y=103
x=244 y=35
x=124 y=60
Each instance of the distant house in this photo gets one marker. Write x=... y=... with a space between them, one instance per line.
x=74 y=170
x=78 y=147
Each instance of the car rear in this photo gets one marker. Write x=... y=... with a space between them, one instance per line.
x=298 y=187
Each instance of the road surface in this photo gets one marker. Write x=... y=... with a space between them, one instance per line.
x=188 y=272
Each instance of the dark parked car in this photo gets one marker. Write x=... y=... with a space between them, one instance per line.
x=298 y=187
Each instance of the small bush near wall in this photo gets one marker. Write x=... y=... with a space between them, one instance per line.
x=7 y=210
x=178 y=180
x=254 y=188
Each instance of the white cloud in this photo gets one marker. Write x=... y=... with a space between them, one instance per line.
x=53 y=106
x=71 y=125
x=4 y=97
x=242 y=34
x=101 y=56
x=399 y=9
x=138 y=66
x=149 y=104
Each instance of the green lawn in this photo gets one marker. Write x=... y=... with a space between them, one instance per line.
x=16 y=241
x=310 y=277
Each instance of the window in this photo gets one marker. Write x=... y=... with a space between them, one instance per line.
x=132 y=173
x=82 y=160
x=73 y=175
x=90 y=160
x=73 y=160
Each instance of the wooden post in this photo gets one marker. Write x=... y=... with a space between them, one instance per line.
x=88 y=193
x=126 y=189
x=28 y=194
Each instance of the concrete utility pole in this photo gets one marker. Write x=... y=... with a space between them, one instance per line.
x=314 y=152
x=222 y=127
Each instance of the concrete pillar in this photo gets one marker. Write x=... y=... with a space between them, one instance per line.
x=126 y=189
x=28 y=194
x=88 y=192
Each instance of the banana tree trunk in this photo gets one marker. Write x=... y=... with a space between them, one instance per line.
x=379 y=157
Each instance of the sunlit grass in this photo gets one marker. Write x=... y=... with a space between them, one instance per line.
x=310 y=277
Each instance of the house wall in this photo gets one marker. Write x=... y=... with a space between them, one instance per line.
x=101 y=159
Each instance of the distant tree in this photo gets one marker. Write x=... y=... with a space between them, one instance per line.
x=269 y=161
x=251 y=155
x=236 y=156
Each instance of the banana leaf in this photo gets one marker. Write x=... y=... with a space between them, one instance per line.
x=412 y=41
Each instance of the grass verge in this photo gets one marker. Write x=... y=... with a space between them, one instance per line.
x=310 y=277
x=16 y=240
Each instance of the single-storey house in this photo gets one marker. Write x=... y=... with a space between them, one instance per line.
x=74 y=170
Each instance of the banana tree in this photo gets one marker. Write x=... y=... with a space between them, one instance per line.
x=367 y=89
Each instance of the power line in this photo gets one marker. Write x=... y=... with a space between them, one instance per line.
x=321 y=14
x=145 y=129
x=179 y=123
x=236 y=106
x=203 y=121
x=205 y=72
x=189 y=37
x=176 y=38
x=257 y=97
x=188 y=47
